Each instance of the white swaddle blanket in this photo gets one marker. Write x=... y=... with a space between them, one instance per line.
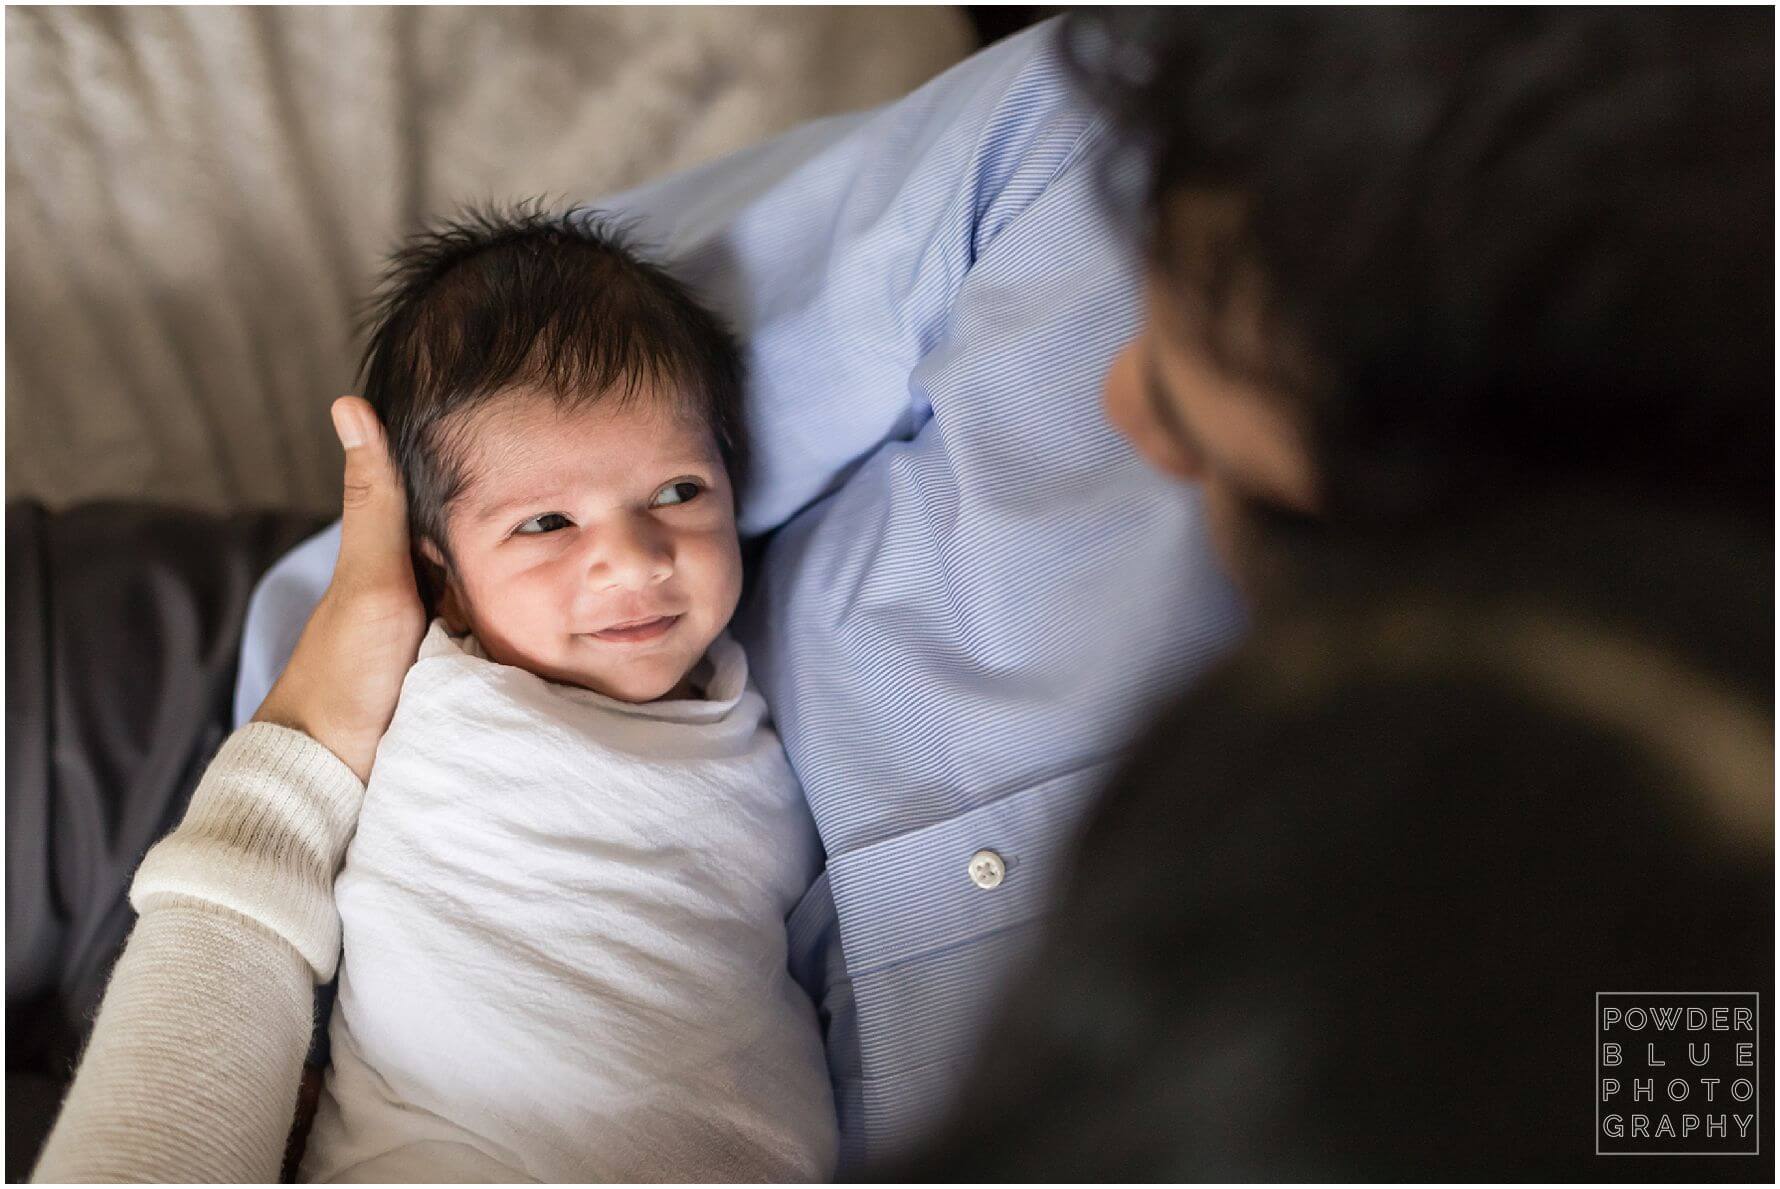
x=565 y=946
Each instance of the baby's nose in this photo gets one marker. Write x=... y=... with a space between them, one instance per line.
x=630 y=555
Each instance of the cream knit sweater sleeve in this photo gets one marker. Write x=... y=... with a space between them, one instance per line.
x=192 y=1070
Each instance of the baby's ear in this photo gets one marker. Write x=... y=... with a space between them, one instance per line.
x=448 y=602
x=451 y=610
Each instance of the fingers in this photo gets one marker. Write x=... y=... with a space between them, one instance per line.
x=373 y=511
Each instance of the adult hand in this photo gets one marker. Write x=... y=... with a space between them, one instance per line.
x=341 y=684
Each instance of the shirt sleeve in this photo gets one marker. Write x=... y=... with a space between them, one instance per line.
x=837 y=252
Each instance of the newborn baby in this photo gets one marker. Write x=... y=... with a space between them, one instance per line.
x=564 y=909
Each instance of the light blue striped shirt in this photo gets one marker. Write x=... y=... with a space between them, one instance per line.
x=974 y=589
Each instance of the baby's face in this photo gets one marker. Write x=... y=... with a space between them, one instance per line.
x=595 y=547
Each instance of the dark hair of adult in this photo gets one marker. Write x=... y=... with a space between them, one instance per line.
x=556 y=302
x=1497 y=248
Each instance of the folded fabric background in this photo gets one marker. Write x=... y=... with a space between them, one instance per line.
x=197 y=197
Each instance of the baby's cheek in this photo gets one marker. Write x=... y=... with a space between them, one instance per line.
x=715 y=563
x=528 y=609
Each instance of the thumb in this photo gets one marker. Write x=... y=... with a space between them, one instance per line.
x=373 y=511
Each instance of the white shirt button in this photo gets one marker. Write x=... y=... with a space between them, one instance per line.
x=987 y=870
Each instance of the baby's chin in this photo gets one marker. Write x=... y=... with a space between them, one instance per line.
x=643 y=679
x=627 y=687
x=626 y=673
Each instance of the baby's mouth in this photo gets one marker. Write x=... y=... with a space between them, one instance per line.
x=638 y=631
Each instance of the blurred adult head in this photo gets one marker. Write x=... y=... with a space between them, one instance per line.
x=1408 y=265
x=1462 y=320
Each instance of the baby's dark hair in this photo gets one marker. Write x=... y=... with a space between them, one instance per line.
x=559 y=302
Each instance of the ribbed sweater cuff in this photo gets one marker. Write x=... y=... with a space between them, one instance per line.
x=264 y=836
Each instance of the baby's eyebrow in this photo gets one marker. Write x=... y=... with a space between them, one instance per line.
x=491 y=509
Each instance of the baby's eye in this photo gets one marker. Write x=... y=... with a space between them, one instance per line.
x=549 y=522
x=680 y=491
